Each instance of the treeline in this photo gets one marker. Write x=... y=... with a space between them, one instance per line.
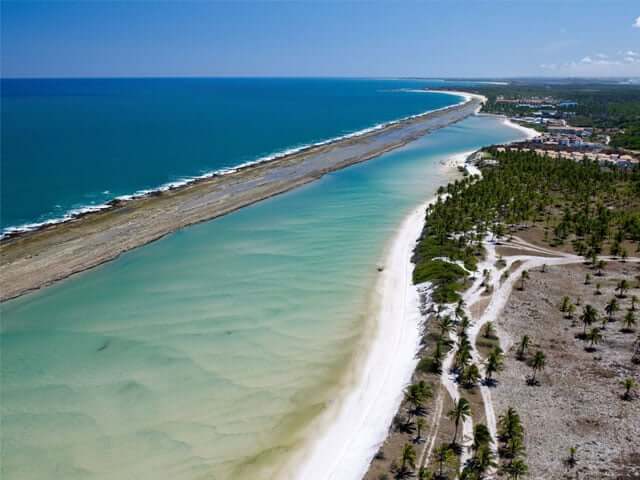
x=582 y=202
x=599 y=105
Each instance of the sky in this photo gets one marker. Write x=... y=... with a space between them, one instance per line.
x=452 y=38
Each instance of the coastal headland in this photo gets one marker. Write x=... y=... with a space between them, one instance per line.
x=32 y=260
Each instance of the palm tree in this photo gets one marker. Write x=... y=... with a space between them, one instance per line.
x=538 y=363
x=509 y=425
x=489 y=330
x=443 y=455
x=517 y=469
x=417 y=393
x=470 y=375
x=622 y=287
x=588 y=317
x=481 y=437
x=634 y=301
x=446 y=325
x=600 y=267
x=572 y=461
x=459 y=311
x=587 y=279
x=570 y=311
x=424 y=474
x=459 y=413
x=594 y=337
x=564 y=306
x=629 y=322
x=408 y=457
x=523 y=277
x=629 y=384
x=611 y=308
x=494 y=363
x=420 y=424
x=523 y=346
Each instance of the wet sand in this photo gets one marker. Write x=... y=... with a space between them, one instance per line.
x=36 y=259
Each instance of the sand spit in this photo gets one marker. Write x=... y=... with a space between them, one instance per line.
x=39 y=258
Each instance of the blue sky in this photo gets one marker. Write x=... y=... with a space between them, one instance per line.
x=434 y=38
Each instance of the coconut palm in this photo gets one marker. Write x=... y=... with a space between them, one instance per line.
x=459 y=413
x=587 y=279
x=408 y=458
x=417 y=393
x=538 y=363
x=566 y=301
x=523 y=277
x=629 y=322
x=494 y=363
x=509 y=425
x=600 y=267
x=489 y=330
x=420 y=424
x=425 y=474
x=589 y=317
x=622 y=287
x=481 y=437
x=446 y=325
x=594 y=337
x=634 y=302
x=443 y=455
x=629 y=384
x=523 y=346
x=516 y=469
x=570 y=311
x=611 y=308
x=572 y=461
x=459 y=311
x=470 y=375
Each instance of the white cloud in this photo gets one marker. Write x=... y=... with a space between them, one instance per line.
x=623 y=63
x=637 y=24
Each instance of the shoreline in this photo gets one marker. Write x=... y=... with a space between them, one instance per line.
x=375 y=382
x=41 y=257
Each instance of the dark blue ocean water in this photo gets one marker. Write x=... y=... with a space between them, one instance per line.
x=69 y=143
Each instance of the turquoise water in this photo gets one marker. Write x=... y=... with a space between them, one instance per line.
x=71 y=143
x=205 y=354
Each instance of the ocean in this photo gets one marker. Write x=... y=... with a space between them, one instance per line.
x=69 y=145
x=209 y=353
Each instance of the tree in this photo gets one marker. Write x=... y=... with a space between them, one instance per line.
x=425 y=474
x=516 y=469
x=587 y=279
x=589 y=317
x=494 y=363
x=629 y=384
x=622 y=287
x=600 y=267
x=443 y=455
x=564 y=306
x=470 y=375
x=570 y=311
x=572 y=461
x=538 y=363
x=629 y=322
x=611 y=308
x=481 y=437
x=594 y=337
x=459 y=311
x=408 y=457
x=523 y=277
x=420 y=424
x=459 y=413
x=523 y=346
x=446 y=325
x=417 y=393
x=489 y=330
x=634 y=301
